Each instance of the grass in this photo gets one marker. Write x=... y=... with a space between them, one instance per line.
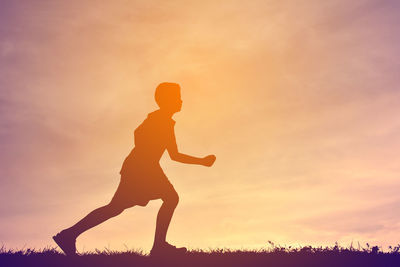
x=274 y=255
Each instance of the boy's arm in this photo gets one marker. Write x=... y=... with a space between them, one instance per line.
x=175 y=155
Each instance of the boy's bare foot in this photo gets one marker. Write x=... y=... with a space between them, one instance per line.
x=66 y=242
x=166 y=249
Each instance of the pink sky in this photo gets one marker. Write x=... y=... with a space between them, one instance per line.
x=299 y=102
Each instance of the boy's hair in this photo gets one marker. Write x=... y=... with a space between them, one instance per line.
x=165 y=92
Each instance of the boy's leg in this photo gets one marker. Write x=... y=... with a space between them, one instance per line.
x=94 y=218
x=170 y=201
x=66 y=239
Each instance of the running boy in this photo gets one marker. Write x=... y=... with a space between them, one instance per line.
x=142 y=178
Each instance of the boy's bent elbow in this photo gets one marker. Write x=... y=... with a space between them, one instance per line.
x=174 y=156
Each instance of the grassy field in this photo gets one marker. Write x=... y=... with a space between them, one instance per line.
x=273 y=256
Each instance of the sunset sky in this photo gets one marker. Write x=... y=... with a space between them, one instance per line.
x=299 y=101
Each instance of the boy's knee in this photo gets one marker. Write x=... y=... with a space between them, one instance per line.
x=175 y=199
x=172 y=199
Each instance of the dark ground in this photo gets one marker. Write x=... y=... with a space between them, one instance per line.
x=275 y=256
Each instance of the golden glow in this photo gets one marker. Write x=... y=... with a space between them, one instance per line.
x=295 y=101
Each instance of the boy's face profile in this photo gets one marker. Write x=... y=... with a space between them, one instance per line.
x=168 y=97
x=173 y=102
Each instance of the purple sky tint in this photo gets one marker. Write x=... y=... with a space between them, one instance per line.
x=300 y=103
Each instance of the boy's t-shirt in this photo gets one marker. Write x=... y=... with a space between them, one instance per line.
x=152 y=137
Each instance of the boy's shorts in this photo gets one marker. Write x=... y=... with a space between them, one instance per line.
x=139 y=186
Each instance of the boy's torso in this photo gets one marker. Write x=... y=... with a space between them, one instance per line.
x=151 y=139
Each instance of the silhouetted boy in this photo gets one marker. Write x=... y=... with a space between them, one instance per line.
x=142 y=178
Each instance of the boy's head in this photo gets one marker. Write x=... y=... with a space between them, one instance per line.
x=168 y=96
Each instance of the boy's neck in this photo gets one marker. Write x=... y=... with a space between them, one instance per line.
x=166 y=113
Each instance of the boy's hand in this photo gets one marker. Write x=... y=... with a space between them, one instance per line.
x=209 y=160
